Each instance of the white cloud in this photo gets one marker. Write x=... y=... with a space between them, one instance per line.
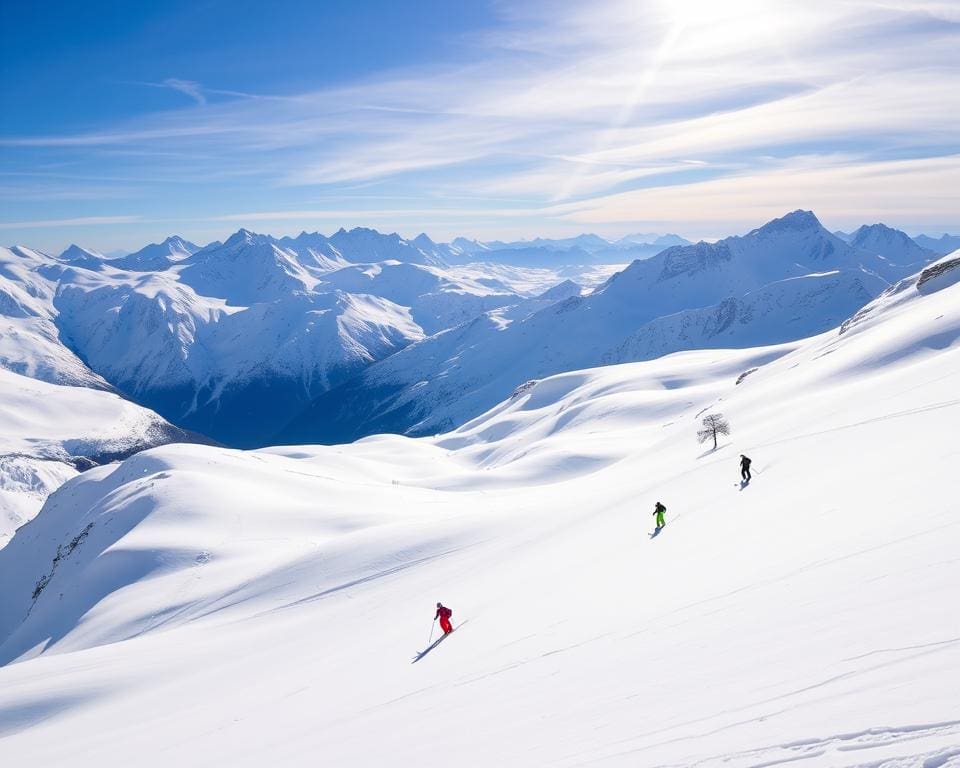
x=77 y=222
x=188 y=87
x=580 y=108
x=845 y=192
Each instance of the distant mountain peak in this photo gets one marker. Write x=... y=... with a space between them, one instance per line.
x=942 y=245
x=178 y=242
x=74 y=251
x=795 y=220
x=879 y=229
x=422 y=240
x=243 y=235
x=888 y=242
x=156 y=256
x=365 y=245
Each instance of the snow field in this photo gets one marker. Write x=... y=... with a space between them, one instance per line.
x=265 y=607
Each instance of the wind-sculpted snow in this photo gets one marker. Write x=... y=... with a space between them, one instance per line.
x=251 y=608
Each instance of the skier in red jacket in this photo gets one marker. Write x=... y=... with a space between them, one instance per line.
x=444 y=614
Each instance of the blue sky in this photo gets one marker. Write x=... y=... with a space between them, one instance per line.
x=125 y=122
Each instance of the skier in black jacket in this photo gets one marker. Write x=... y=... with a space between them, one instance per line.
x=745 y=468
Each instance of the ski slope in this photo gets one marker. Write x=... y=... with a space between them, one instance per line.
x=217 y=607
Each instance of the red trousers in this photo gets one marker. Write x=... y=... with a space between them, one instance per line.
x=445 y=625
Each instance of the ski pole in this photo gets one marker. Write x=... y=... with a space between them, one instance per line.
x=432 y=625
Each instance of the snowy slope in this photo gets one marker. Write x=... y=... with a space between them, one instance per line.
x=451 y=377
x=48 y=433
x=205 y=606
x=30 y=342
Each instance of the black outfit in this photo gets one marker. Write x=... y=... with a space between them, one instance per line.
x=745 y=468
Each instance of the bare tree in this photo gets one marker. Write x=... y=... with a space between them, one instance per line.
x=713 y=424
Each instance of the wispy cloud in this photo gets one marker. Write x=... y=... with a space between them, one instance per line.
x=187 y=87
x=844 y=191
x=617 y=110
x=337 y=214
x=82 y=221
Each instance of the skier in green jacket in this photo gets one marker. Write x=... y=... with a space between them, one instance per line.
x=658 y=511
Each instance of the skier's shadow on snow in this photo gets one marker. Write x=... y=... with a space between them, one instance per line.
x=429 y=648
x=434 y=644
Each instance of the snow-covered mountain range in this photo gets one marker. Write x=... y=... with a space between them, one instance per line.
x=235 y=338
x=801 y=618
x=320 y=337
x=786 y=280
